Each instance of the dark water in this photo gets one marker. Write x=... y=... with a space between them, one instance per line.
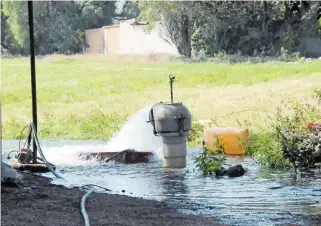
x=261 y=197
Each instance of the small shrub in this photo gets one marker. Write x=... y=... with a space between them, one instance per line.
x=270 y=147
x=317 y=95
x=209 y=163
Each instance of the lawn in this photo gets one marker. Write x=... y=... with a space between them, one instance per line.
x=90 y=97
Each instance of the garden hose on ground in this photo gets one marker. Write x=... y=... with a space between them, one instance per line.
x=82 y=206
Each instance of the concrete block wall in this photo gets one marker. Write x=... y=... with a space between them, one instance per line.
x=111 y=40
x=95 y=40
x=127 y=38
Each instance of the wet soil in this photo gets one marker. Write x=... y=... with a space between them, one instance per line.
x=38 y=202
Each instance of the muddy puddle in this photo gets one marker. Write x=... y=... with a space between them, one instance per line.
x=261 y=197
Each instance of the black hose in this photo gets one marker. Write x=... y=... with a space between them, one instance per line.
x=8 y=156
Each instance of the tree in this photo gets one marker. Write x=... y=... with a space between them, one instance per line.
x=16 y=17
x=129 y=10
x=58 y=25
x=247 y=28
x=177 y=18
x=7 y=40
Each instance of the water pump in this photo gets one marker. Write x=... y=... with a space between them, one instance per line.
x=172 y=122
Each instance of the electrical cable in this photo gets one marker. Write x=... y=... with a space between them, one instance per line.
x=41 y=153
x=8 y=156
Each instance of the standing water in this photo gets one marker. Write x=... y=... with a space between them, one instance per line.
x=261 y=197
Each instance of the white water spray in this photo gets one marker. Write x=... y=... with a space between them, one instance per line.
x=68 y=155
x=136 y=134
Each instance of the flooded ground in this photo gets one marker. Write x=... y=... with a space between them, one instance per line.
x=261 y=197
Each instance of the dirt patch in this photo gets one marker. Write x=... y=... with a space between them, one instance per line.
x=40 y=203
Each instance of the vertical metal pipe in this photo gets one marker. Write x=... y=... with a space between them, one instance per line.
x=171 y=80
x=171 y=91
x=33 y=77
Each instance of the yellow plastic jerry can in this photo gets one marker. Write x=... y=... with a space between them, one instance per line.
x=232 y=141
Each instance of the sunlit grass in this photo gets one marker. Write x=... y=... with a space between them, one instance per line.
x=89 y=97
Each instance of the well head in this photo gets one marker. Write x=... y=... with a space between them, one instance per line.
x=172 y=121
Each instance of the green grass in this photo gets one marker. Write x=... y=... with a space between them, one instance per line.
x=90 y=97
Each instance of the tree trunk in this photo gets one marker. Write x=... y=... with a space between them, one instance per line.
x=186 y=36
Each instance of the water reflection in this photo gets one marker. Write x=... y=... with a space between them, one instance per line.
x=173 y=185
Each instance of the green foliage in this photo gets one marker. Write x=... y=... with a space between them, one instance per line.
x=7 y=40
x=208 y=163
x=293 y=117
x=17 y=18
x=317 y=94
x=130 y=10
x=251 y=28
x=196 y=133
x=261 y=28
x=265 y=147
x=59 y=26
x=95 y=14
x=176 y=18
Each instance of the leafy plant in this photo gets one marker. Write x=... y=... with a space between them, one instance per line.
x=209 y=164
x=270 y=146
x=317 y=94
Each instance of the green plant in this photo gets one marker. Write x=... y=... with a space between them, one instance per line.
x=270 y=146
x=196 y=133
x=317 y=95
x=208 y=163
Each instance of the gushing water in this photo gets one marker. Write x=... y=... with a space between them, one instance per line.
x=136 y=134
x=68 y=155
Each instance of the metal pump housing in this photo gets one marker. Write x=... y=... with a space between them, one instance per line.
x=172 y=122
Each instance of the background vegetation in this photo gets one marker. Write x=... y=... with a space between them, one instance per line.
x=256 y=28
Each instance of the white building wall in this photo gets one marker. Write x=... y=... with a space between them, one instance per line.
x=134 y=40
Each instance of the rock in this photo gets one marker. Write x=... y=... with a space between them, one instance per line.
x=8 y=174
x=235 y=171
x=220 y=172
